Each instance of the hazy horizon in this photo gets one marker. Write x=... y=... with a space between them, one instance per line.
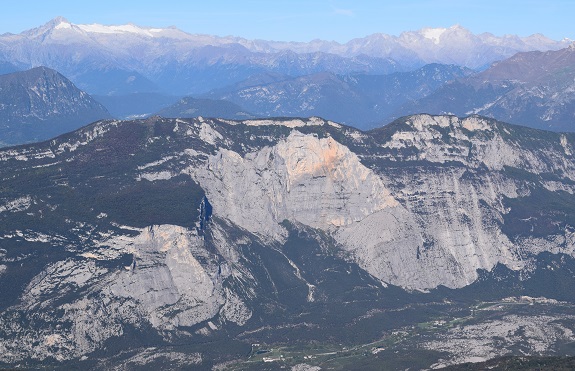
x=303 y=21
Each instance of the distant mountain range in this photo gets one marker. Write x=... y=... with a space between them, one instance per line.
x=453 y=45
x=136 y=105
x=7 y=67
x=128 y=59
x=189 y=107
x=536 y=89
x=137 y=72
x=40 y=103
x=359 y=100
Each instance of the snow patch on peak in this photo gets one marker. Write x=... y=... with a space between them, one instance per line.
x=64 y=24
x=121 y=29
x=433 y=34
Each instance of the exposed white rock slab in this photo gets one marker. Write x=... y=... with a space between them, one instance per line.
x=176 y=359
x=209 y=134
x=317 y=182
x=305 y=367
x=474 y=142
x=87 y=135
x=165 y=285
x=234 y=309
x=166 y=274
x=19 y=204
x=155 y=163
x=537 y=334
x=160 y=175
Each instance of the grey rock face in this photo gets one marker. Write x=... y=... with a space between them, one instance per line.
x=316 y=182
x=166 y=279
x=164 y=285
x=476 y=343
x=150 y=355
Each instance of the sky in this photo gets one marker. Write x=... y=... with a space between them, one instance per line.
x=303 y=20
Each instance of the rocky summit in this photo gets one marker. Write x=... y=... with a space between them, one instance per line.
x=219 y=243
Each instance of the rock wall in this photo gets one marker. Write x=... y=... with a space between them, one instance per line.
x=438 y=227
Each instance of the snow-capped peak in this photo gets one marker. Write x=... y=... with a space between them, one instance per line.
x=61 y=23
x=57 y=23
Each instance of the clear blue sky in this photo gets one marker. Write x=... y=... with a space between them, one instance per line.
x=303 y=20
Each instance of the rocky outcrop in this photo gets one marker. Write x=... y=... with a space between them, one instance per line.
x=159 y=281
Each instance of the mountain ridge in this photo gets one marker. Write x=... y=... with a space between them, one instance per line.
x=103 y=229
x=360 y=100
x=146 y=53
x=39 y=103
x=532 y=88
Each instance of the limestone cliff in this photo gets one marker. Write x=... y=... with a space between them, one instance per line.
x=429 y=226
